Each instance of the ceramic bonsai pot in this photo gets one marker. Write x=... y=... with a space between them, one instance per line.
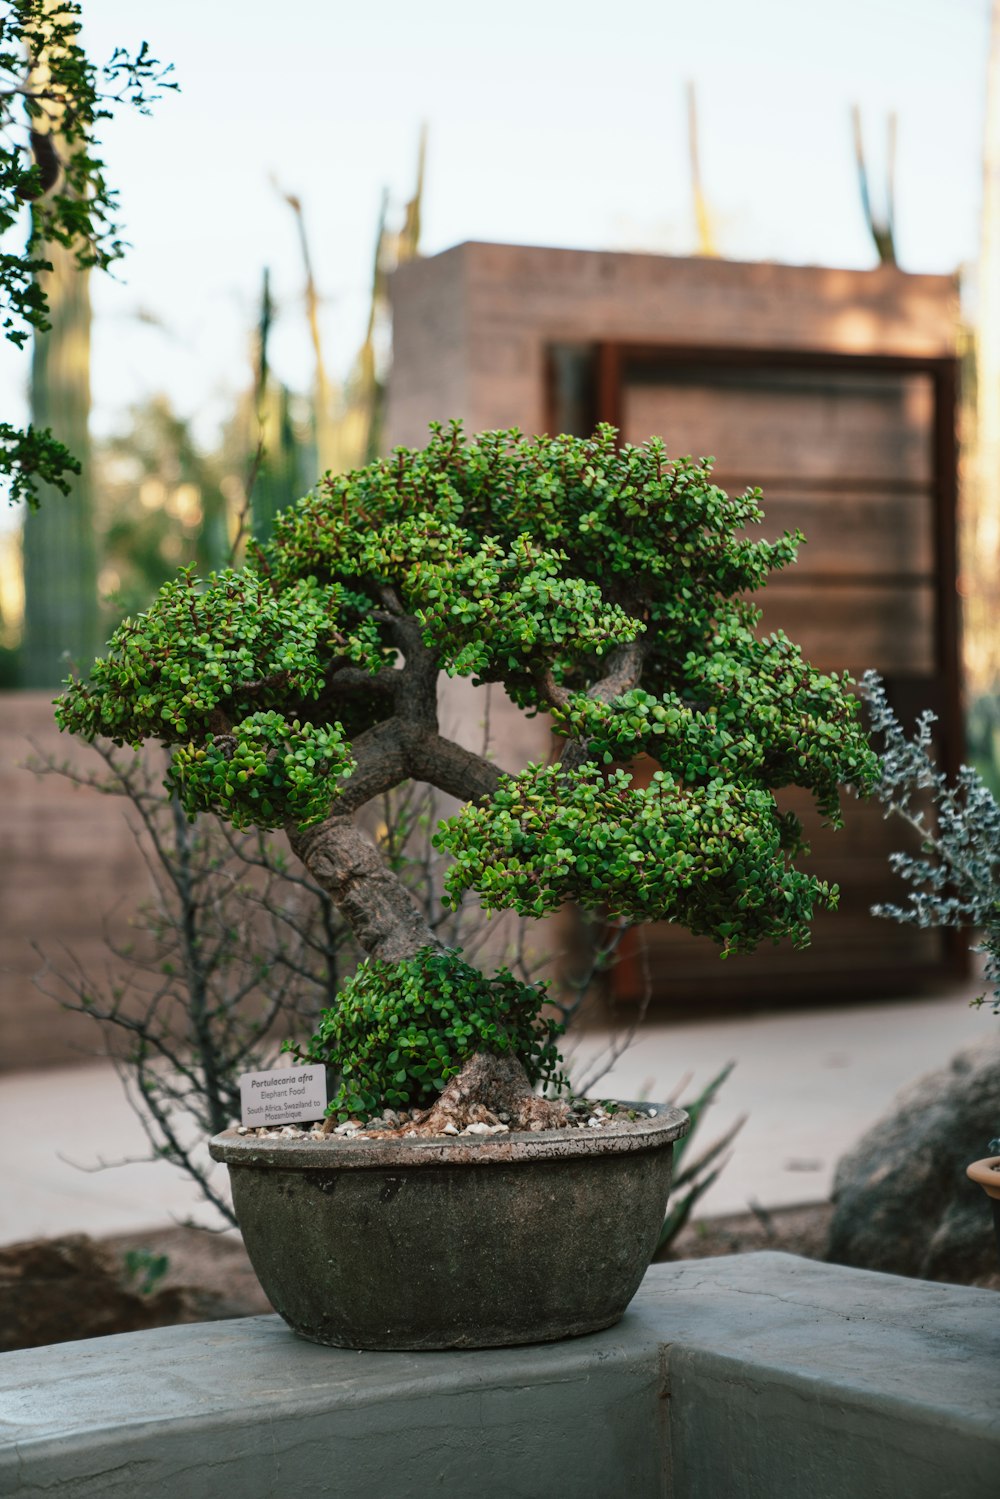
x=454 y=1242
x=987 y=1174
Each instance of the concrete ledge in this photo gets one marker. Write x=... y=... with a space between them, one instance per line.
x=790 y=1379
x=757 y=1377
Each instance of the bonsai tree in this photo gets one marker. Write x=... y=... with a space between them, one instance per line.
x=606 y=588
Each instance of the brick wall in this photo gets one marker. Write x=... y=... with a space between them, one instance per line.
x=71 y=874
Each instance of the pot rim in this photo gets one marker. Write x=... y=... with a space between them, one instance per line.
x=987 y=1174
x=335 y=1153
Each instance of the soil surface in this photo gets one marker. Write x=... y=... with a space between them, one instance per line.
x=208 y=1276
x=799 y=1230
x=214 y=1263
x=58 y=1290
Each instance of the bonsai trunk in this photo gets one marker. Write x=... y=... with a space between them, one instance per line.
x=388 y=925
x=491 y=1090
x=379 y=910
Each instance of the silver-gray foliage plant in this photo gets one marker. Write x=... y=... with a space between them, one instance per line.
x=956 y=879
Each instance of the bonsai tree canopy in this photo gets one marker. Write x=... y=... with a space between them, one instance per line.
x=605 y=587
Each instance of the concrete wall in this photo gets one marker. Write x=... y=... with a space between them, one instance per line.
x=757 y=1377
x=471 y=326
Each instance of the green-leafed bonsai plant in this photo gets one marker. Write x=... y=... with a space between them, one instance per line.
x=605 y=587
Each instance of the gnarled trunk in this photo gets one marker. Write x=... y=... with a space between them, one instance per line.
x=491 y=1090
x=379 y=909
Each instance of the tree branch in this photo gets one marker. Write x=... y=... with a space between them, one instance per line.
x=554 y=695
x=625 y=665
x=380 y=764
x=444 y=764
x=350 y=680
x=624 y=672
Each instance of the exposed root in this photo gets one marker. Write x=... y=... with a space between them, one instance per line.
x=487 y=1087
x=490 y=1089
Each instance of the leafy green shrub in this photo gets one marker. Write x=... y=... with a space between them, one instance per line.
x=399 y=1031
x=144 y=1269
x=955 y=879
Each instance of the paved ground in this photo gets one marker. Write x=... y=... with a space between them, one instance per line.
x=810 y=1081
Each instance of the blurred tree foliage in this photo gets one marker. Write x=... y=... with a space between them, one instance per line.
x=162 y=504
x=54 y=166
x=162 y=499
x=52 y=100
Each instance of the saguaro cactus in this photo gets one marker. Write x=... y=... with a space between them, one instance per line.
x=60 y=547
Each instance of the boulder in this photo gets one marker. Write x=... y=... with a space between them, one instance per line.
x=902 y=1201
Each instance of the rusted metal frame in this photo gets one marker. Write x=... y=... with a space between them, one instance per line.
x=550 y=420
x=615 y=356
x=947 y=616
x=945 y=490
x=610 y=368
x=613 y=359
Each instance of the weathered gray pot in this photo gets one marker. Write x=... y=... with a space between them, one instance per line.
x=453 y=1243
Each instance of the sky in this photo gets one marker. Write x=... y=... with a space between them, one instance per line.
x=558 y=122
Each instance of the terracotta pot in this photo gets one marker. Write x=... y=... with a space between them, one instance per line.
x=454 y=1242
x=987 y=1174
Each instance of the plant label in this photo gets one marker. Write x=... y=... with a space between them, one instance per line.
x=287 y=1095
